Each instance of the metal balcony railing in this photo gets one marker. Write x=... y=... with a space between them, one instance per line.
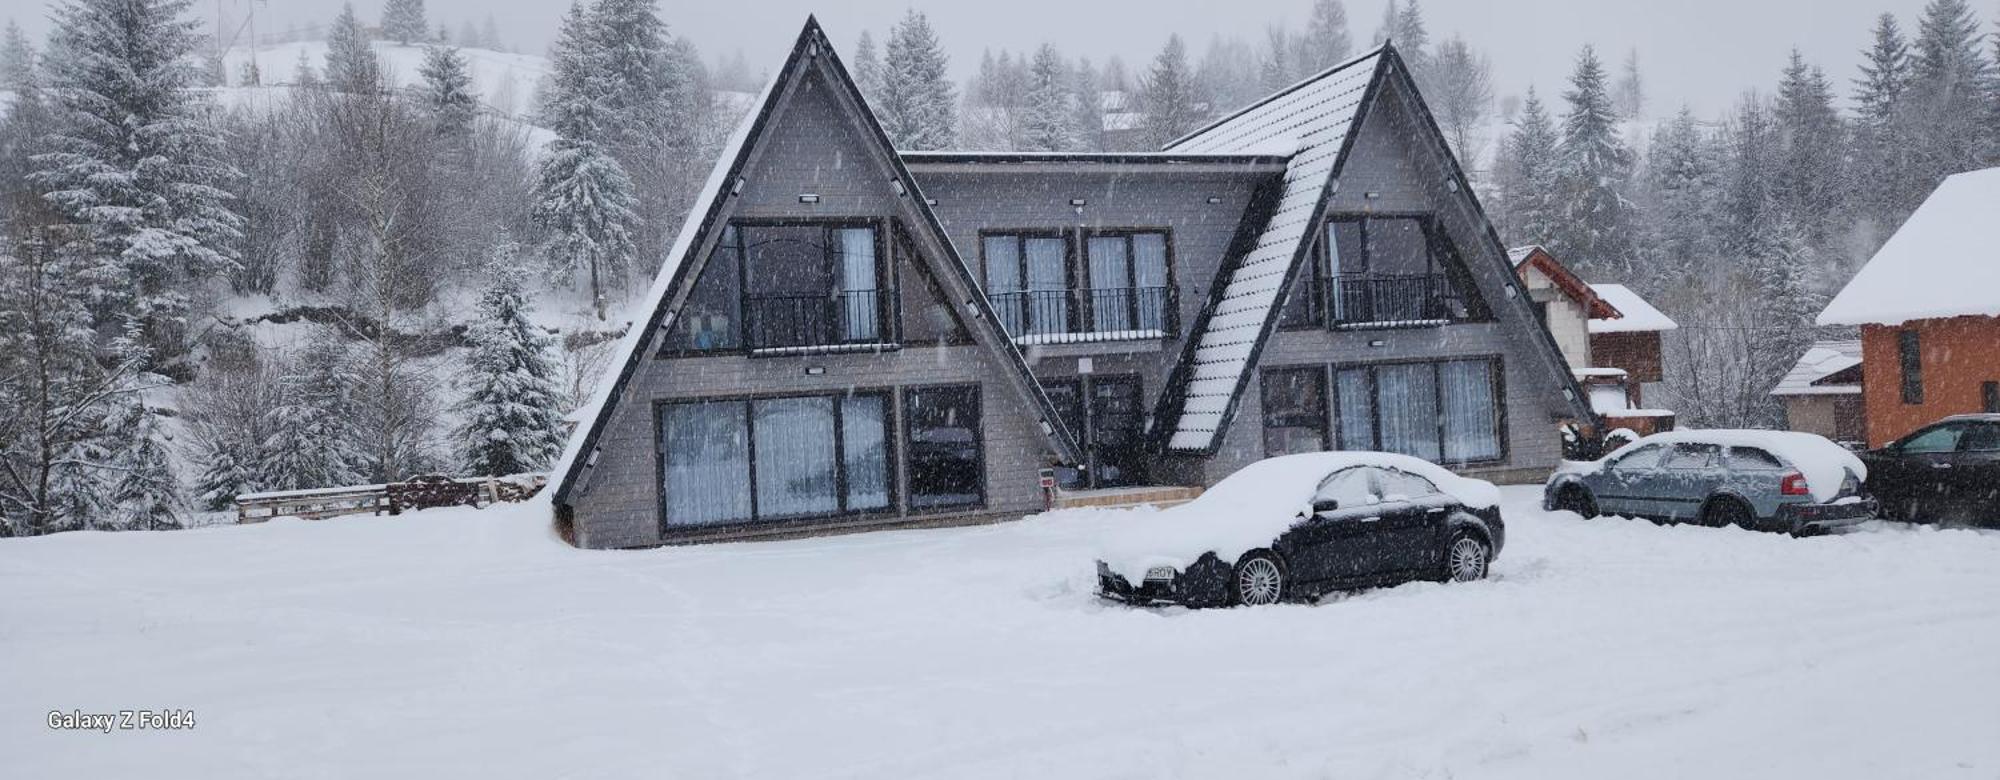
x=1375 y=299
x=823 y=320
x=1086 y=315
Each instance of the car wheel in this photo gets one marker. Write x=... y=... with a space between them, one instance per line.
x=1575 y=498
x=1466 y=557
x=1259 y=580
x=1728 y=511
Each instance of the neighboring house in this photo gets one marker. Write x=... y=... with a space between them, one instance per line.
x=846 y=336
x=1822 y=394
x=1608 y=334
x=1928 y=304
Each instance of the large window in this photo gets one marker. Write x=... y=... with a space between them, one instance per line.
x=1118 y=287
x=774 y=458
x=946 y=465
x=1376 y=270
x=1128 y=284
x=1294 y=401
x=1910 y=355
x=1027 y=279
x=788 y=285
x=1446 y=411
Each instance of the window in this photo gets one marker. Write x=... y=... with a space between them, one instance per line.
x=1127 y=281
x=712 y=317
x=1943 y=438
x=1404 y=486
x=1752 y=459
x=1444 y=412
x=1989 y=397
x=788 y=285
x=1376 y=269
x=945 y=462
x=1643 y=459
x=1909 y=352
x=1027 y=280
x=1294 y=402
x=774 y=458
x=1982 y=437
x=1692 y=456
x=1350 y=487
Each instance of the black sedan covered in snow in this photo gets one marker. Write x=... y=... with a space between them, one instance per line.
x=1299 y=525
x=1948 y=472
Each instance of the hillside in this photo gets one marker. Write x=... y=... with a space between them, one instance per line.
x=506 y=82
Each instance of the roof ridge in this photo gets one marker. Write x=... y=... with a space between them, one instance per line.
x=1260 y=102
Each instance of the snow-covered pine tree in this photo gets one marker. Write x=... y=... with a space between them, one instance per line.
x=1413 y=41
x=919 y=106
x=403 y=21
x=1526 y=175
x=1884 y=184
x=1461 y=97
x=1630 y=95
x=867 y=67
x=17 y=58
x=53 y=405
x=1087 y=107
x=513 y=412
x=489 y=36
x=630 y=45
x=447 y=92
x=1327 y=42
x=1276 y=68
x=351 y=65
x=1167 y=95
x=1682 y=179
x=145 y=496
x=134 y=157
x=313 y=441
x=1594 y=230
x=1811 y=186
x=584 y=202
x=1050 y=120
x=1387 y=28
x=24 y=127
x=1948 y=72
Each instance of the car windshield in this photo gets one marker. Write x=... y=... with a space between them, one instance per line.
x=1404 y=486
x=1350 y=487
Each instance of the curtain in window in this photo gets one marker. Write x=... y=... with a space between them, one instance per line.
x=1003 y=282
x=1149 y=275
x=1471 y=416
x=1357 y=402
x=943 y=447
x=863 y=424
x=795 y=457
x=1048 y=279
x=1406 y=400
x=1110 y=284
x=707 y=460
x=859 y=304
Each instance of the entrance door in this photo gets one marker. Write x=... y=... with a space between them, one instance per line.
x=1106 y=414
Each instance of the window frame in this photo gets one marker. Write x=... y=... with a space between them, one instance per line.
x=1321 y=375
x=888 y=282
x=1498 y=382
x=746 y=404
x=1441 y=258
x=1910 y=365
x=1169 y=310
x=909 y=428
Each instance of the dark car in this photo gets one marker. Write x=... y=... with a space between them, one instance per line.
x=1948 y=471
x=1761 y=480
x=1300 y=525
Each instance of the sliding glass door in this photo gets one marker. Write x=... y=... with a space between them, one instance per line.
x=1447 y=412
x=774 y=458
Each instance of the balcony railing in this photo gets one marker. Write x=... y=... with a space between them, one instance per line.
x=1060 y=316
x=1376 y=299
x=821 y=320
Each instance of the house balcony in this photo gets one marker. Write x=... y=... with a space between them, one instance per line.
x=855 y=321
x=1084 y=316
x=1371 y=300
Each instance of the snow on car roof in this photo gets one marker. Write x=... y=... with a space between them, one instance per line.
x=1943 y=262
x=1819 y=459
x=1252 y=507
x=1639 y=316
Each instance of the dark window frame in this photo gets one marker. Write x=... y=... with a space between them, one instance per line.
x=909 y=428
x=1910 y=363
x=887 y=279
x=1989 y=397
x=1441 y=259
x=1497 y=372
x=746 y=403
x=1321 y=374
x=1170 y=306
x=1020 y=238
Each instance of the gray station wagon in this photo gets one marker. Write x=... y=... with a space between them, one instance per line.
x=1762 y=480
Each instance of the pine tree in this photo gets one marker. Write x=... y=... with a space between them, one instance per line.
x=1050 y=121
x=1886 y=186
x=24 y=127
x=1948 y=72
x=584 y=201
x=313 y=441
x=17 y=58
x=1683 y=181
x=1167 y=93
x=1277 y=69
x=1810 y=185
x=1387 y=29
x=133 y=157
x=1327 y=42
x=403 y=21
x=1461 y=95
x=1088 y=106
x=513 y=418
x=489 y=36
x=630 y=44
x=868 y=67
x=1630 y=95
x=447 y=92
x=144 y=493
x=1526 y=175
x=919 y=107
x=1413 y=41
x=1594 y=232
x=351 y=65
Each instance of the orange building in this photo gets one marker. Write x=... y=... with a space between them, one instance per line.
x=1928 y=305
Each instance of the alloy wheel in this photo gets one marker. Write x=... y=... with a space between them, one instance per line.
x=1258 y=582
x=1468 y=560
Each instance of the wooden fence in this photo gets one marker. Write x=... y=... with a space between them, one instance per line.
x=392 y=498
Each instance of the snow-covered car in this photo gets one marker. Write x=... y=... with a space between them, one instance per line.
x=1298 y=525
x=1948 y=471
x=1763 y=480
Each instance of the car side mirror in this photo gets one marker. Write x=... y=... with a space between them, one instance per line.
x=1324 y=505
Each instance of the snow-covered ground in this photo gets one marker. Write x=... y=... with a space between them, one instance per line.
x=460 y=643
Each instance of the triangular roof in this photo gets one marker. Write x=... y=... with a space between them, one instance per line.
x=712 y=205
x=1317 y=120
x=1943 y=262
x=1571 y=285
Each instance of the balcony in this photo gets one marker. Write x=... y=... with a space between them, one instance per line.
x=1082 y=316
x=828 y=322
x=1375 y=301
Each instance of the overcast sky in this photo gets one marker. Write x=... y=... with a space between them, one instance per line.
x=1701 y=52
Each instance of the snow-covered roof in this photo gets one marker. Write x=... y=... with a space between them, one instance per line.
x=1821 y=361
x=1637 y=316
x=1943 y=262
x=1520 y=254
x=1314 y=118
